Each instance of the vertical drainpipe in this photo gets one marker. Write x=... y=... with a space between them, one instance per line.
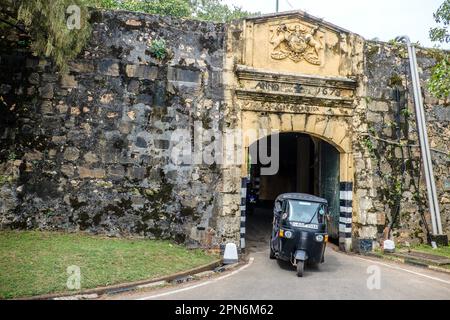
x=423 y=138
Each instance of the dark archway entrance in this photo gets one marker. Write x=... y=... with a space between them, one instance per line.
x=306 y=165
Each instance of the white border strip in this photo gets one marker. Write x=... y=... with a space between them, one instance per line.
x=342 y=228
x=346 y=209
x=200 y=284
x=345 y=195
x=345 y=220
x=403 y=269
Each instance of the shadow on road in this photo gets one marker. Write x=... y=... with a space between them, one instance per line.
x=258 y=229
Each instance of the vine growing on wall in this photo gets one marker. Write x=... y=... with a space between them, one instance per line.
x=48 y=25
x=394 y=161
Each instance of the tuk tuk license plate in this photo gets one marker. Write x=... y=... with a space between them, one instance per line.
x=304 y=225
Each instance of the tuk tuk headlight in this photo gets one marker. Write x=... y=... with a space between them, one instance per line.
x=288 y=234
x=319 y=238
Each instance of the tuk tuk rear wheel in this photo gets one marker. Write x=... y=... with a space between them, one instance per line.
x=300 y=268
x=272 y=254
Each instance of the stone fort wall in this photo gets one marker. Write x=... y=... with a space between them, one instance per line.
x=90 y=150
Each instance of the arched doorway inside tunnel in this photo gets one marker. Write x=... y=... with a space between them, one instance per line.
x=307 y=164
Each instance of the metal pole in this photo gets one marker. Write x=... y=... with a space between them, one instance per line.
x=423 y=138
x=278 y=5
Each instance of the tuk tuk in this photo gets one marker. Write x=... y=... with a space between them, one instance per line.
x=299 y=231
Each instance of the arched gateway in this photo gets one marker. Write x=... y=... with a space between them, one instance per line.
x=314 y=157
x=295 y=77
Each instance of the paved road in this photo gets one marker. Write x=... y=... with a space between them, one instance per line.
x=340 y=277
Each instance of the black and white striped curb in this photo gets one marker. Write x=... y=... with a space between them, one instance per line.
x=345 y=215
x=243 y=213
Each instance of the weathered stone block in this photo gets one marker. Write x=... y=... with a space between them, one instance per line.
x=33 y=156
x=136 y=173
x=398 y=152
x=68 y=81
x=183 y=75
x=133 y=23
x=52 y=153
x=379 y=106
x=112 y=115
x=109 y=68
x=137 y=202
x=91 y=173
x=141 y=143
x=374 y=117
x=116 y=172
x=49 y=77
x=141 y=72
x=125 y=127
x=46 y=91
x=62 y=108
x=67 y=169
x=217 y=79
x=81 y=67
x=34 y=78
x=75 y=111
x=46 y=107
x=71 y=154
x=59 y=139
x=106 y=98
x=162 y=144
x=381 y=218
x=91 y=157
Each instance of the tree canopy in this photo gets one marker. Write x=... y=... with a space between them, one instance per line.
x=175 y=8
x=439 y=83
x=46 y=22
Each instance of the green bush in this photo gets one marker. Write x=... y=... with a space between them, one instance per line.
x=158 y=49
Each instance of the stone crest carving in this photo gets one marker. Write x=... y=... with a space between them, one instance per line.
x=297 y=43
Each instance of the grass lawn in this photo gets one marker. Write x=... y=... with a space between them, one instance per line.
x=34 y=262
x=440 y=251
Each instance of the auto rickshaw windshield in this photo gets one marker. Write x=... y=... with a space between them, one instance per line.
x=305 y=212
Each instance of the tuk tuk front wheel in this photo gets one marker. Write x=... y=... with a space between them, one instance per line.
x=272 y=254
x=300 y=268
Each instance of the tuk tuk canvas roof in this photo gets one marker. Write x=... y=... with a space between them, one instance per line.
x=301 y=196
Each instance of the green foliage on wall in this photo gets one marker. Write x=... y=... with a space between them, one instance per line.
x=439 y=83
x=215 y=10
x=174 y=8
x=46 y=22
x=158 y=49
x=210 y=10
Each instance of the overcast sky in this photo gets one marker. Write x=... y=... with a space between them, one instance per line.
x=382 y=19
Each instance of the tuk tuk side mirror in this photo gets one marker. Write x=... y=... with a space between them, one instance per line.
x=278 y=207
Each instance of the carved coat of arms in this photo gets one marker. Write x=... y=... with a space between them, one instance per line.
x=296 y=42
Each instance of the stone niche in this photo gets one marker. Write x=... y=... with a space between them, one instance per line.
x=296 y=42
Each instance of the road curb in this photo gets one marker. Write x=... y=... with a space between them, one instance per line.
x=412 y=262
x=128 y=286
